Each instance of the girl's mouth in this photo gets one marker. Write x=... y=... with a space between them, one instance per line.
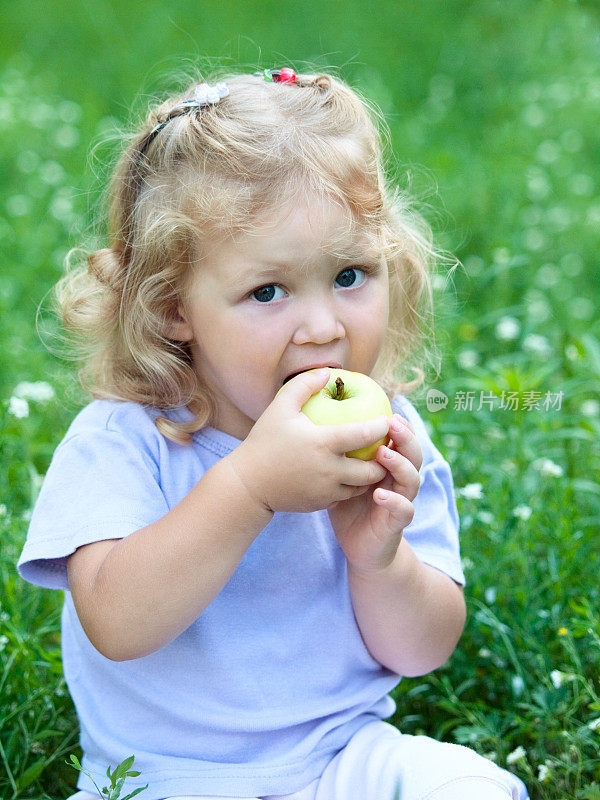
x=332 y=365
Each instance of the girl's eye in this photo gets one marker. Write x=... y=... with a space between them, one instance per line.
x=352 y=276
x=348 y=277
x=266 y=293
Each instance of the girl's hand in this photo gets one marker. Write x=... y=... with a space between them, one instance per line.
x=287 y=463
x=369 y=527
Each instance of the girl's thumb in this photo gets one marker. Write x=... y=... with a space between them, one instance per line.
x=297 y=390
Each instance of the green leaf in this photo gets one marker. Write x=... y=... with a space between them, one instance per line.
x=31 y=773
x=136 y=791
x=590 y=792
x=75 y=763
x=124 y=766
x=117 y=788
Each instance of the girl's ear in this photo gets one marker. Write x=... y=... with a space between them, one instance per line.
x=179 y=328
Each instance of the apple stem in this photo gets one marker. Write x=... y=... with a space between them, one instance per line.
x=339 y=389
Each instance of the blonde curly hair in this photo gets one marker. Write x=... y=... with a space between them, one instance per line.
x=218 y=168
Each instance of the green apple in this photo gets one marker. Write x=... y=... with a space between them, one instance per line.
x=349 y=397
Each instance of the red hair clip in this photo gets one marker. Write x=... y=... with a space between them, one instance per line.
x=283 y=75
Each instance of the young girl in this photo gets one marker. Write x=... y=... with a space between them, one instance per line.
x=241 y=597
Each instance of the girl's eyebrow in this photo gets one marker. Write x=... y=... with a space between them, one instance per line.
x=305 y=268
x=249 y=274
x=277 y=266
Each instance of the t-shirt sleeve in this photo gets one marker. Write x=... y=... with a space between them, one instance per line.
x=100 y=485
x=433 y=532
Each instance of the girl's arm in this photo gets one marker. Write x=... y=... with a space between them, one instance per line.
x=135 y=595
x=410 y=614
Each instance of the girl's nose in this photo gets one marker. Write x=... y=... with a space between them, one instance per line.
x=318 y=323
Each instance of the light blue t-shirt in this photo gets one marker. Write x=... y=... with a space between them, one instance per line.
x=273 y=678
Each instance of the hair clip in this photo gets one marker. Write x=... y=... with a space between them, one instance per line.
x=205 y=95
x=283 y=75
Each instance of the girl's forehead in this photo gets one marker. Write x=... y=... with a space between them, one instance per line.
x=296 y=228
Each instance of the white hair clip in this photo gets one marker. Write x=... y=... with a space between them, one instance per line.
x=205 y=95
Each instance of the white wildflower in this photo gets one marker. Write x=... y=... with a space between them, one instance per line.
x=69 y=111
x=486 y=517
x=450 y=440
x=39 y=391
x=594 y=725
x=501 y=255
x=472 y=491
x=66 y=136
x=52 y=173
x=590 y=408
x=467 y=563
x=516 y=755
x=18 y=407
x=538 y=184
x=572 y=353
x=581 y=308
x=518 y=684
x=548 y=467
x=548 y=151
x=571 y=140
x=582 y=184
x=533 y=116
x=534 y=239
x=572 y=264
x=490 y=594
x=543 y=772
x=18 y=205
x=522 y=512
x=534 y=343
x=508 y=328
x=548 y=275
x=439 y=282
x=538 y=310
x=473 y=265
x=27 y=161
x=558 y=678
x=468 y=358
x=3 y=642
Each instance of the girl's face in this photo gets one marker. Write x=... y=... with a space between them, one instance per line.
x=264 y=305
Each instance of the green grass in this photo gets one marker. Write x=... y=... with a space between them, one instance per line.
x=493 y=110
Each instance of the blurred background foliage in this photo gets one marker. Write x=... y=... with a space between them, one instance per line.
x=493 y=112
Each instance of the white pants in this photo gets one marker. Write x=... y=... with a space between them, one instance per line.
x=380 y=763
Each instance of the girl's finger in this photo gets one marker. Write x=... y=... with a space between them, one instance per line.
x=362 y=473
x=406 y=477
x=404 y=440
x=399 y=507
x=301 y=387
x=354 y=435
x=353 y=491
